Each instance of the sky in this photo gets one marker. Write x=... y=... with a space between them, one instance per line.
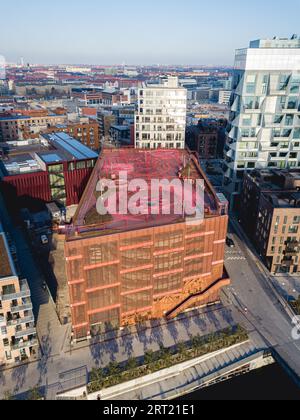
x=139 y=31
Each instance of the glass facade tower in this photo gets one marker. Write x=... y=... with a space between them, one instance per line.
x=264 y=123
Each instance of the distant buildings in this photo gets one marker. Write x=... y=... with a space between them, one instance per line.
x=224 y=97
x=54 y=168
x=161 y=117
x=270 y=213
x=18 y=340
x=87 y=132
x=105 y=120
x=123 y=269
x=122 y=135
x=106 y=97
x=264 y=127
x=13 y=124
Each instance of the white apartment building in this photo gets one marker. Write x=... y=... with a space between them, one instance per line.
x=160 y=121
x=18 y=341
x=264 y=123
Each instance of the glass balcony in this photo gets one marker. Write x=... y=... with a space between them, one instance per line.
x=24 y=344
x=25 y=320
x=21 y=308
x=25 y=333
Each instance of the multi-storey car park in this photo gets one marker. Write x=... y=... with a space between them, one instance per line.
x=18 y=341
x=122 y=269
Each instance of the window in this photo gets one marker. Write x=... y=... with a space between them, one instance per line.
x=56 y=168
x=168 y=283
x=103 y=298
x=9 y=289
x=80 y=165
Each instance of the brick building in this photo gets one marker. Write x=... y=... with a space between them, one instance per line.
x=14 y=124
x=203 y=139
x=270 y=213
x=85 y=132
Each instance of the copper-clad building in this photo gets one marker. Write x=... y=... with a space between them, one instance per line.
x=123 y=269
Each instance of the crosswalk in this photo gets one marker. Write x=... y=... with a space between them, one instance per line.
x=234 y=256
x=237 y=258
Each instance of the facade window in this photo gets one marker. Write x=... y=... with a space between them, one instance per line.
x=80 y=165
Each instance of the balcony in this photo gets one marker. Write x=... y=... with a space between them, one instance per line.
x=21 y=321
x=25 y=333
x=24 y=344
x=2 y=321
x=21 y=308
x=24 y=292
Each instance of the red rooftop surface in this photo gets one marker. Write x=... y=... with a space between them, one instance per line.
x=146 y=165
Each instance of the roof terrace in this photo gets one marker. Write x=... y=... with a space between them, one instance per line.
x=146 y=165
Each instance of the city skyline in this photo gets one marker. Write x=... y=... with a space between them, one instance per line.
x=196 y=34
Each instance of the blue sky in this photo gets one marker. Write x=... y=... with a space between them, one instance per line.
x=139 y=31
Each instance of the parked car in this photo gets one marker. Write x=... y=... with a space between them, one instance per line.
x=44 y=240
x=230 y=243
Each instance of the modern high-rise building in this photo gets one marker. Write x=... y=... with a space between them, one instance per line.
x=161 y=117
x=264 y=123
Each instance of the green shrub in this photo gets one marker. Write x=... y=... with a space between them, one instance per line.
x=153 y=362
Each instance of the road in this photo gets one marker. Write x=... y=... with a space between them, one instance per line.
x=252 y=294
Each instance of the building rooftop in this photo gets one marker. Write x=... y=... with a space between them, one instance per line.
x=34 y=156
x=280 y=187
x=71 y=148
x=293 y=42
x=146 y=165
x=276 y=179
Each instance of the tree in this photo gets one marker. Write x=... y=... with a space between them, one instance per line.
x=8 y=396
x=181 y=348
x=131 y=363
x=97 y=375
x=34 y=394
x=149 y=357
x=113 y=368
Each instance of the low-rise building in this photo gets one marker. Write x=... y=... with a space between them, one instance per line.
x=270 y=213
x=13 y=124
x=18 y=339
x=54 y=168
